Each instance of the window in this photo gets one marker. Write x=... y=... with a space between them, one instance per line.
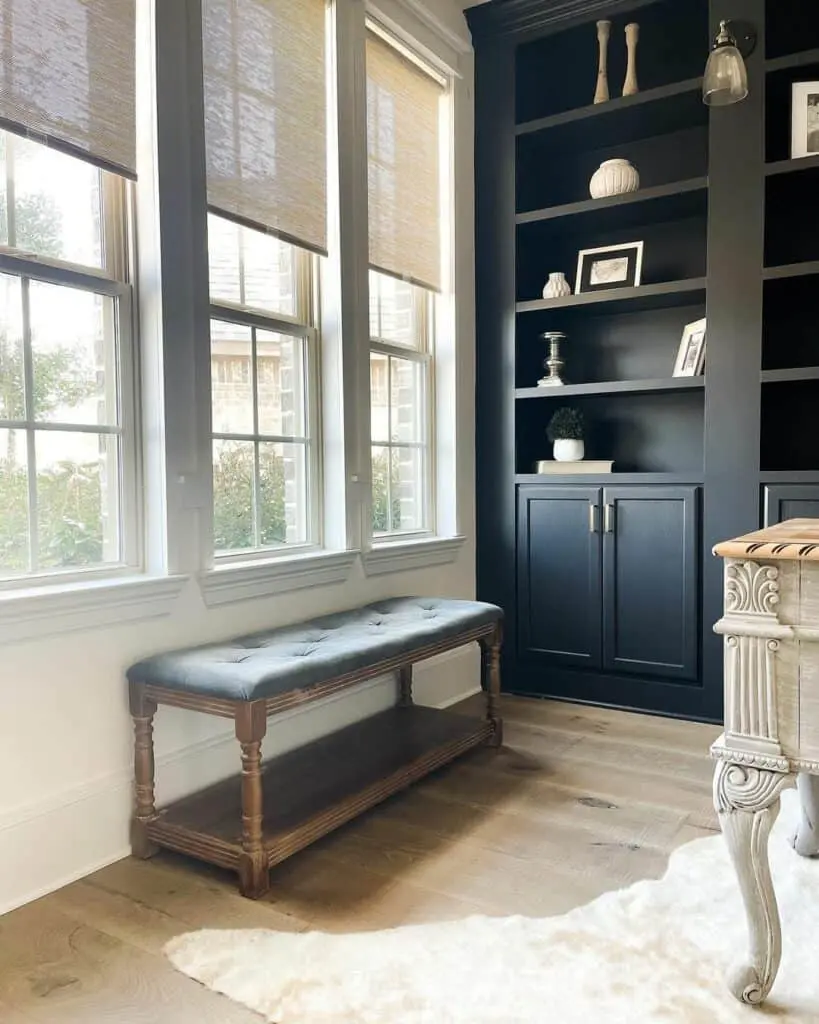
x=68 y=474
x=404 y=144
x=263 y=374
x=266 y=143
x=401 y=405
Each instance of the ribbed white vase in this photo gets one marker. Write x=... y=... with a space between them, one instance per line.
x=614 y=178
x=557 y=286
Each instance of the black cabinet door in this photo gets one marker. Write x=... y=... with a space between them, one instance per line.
x=650 y=580
x=559 y=577
x=791 y=501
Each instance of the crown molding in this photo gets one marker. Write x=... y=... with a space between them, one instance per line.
x=516 y=17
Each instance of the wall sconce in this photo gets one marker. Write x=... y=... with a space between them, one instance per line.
x=726 y=77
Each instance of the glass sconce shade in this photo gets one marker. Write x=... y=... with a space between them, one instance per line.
x=725 y=80
x=726 y=77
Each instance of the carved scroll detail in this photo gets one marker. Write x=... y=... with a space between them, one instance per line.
x=739 y=787
x=750 y=587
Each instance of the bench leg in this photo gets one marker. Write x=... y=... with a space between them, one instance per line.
x=405 y=686
x=490 y=670
x=142 y=712
x=251 y=726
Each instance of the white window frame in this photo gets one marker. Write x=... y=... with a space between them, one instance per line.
x=438 y=51
x=113 y=280
x=301 y=325
x=423 y=354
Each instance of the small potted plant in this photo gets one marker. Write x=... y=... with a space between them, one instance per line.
x=565 y=431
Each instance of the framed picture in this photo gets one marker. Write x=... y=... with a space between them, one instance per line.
x=611 y=266
x=805 y=119
x=691 y=356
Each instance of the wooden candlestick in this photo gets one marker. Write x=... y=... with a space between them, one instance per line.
x=630 y=86
x=601 y=93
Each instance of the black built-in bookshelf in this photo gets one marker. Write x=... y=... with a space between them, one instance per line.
x=608 y=583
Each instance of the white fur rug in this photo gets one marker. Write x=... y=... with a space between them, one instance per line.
x=651 y=954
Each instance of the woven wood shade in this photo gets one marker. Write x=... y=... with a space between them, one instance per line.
x=404 y=140
x=67 y=76
x=266 y=115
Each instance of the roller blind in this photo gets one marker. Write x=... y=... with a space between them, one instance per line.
x=403 y=141
x=67 y=76
x=266 y=115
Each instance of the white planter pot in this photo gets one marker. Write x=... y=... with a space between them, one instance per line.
x=557 y=286
x=614 y=178
x=566 y=450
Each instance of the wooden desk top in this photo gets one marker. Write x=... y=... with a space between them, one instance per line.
x=795 y=539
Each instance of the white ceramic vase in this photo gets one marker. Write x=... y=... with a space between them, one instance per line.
x=556 y=286
x=568 y=450
x=614 y=178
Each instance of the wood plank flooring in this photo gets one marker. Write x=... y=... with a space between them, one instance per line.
x=579 y=801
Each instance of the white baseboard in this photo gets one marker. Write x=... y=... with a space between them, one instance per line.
x=51 y=842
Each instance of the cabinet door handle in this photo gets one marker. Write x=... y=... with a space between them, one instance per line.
x=608 y=521
x=593 y=510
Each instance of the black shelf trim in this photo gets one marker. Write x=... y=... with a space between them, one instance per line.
x=802 y=163
x=791 y=270
x=592 y=205
x=610 y=478
x=616 y=387
x=609 y=107
x=627 y=295
x=793 y=60
x=790 y=375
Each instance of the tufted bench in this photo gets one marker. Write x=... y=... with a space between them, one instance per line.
x=295 y=798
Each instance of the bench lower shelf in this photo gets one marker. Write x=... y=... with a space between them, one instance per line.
x=315 y=789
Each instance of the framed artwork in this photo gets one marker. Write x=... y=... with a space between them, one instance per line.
x=804 y=119
x=611 y=266
x=691 y=355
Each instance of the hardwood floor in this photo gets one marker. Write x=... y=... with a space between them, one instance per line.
x=579 y=801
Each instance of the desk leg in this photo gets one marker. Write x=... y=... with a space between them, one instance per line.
x=806 y=839
x=747 y=801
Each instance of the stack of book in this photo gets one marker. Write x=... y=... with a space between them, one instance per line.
x=550 y=467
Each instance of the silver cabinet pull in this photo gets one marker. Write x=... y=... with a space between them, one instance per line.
x=593 y=509
x=608 y=522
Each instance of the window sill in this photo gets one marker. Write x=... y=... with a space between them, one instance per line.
x=63 y=608
x=247 y=580
x=400 y=556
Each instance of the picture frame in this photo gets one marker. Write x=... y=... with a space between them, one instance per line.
x=691 y=354
x=609 y=266
x=804 y=119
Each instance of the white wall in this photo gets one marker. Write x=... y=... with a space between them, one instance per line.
x=65 y=732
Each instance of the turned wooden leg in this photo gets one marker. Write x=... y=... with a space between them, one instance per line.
x=491 y=680
x=806 y=839
x=251 y=726
x=142 y=712
x=747 y=801
x=405 y=686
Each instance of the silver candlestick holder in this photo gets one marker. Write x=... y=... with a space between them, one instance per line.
x=553 y=364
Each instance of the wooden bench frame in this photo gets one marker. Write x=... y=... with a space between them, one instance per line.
x=253 y=857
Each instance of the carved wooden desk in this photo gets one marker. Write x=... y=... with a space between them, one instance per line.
x=771 y=630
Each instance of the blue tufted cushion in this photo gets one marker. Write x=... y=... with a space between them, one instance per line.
x=296 y=657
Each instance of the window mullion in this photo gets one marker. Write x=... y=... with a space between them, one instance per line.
x=257 y=496
x=31 y=449
x=390 y=525
x=257 y=473
x=11 y=193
